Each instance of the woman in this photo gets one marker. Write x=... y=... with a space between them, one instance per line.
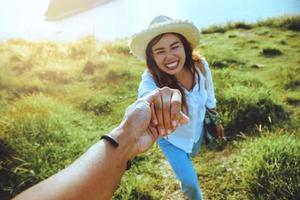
x=167 y=46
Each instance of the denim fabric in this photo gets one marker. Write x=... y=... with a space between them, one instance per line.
x=197 y=145
x=183 y=167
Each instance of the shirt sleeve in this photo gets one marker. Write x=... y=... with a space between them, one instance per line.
x=146 y=85
x=211 y=99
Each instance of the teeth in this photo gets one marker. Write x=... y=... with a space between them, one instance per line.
x=172 y=65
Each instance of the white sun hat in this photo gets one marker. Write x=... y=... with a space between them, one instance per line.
x=162 y=24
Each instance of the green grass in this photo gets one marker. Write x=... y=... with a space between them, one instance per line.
x=56 y=99
x=271 y=169
x=264 y=167
x=39 y=135
x=289 y=22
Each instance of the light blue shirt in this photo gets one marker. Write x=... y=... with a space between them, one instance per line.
x=186 y=135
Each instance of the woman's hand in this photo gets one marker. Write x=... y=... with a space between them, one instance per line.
x=220 y=131
x=157 y=109
x=166 y=112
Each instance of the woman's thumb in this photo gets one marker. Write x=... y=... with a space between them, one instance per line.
x=184 y=119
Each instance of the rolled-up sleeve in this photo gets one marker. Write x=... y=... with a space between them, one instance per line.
x=211 y=99
x=146 y=85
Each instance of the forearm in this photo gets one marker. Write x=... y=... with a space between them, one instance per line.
x=95 y=175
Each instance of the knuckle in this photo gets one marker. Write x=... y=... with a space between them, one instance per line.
x=165 y=90
x=176 y=91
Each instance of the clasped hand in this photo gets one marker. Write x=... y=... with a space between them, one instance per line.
x=154 y=115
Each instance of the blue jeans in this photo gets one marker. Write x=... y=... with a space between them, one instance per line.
x=182 y=166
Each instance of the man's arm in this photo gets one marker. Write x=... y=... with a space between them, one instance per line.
x=96 y=174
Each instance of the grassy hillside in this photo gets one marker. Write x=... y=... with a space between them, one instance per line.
x=56 y=99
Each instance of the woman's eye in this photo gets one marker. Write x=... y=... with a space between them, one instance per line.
x=159 y=52
x=175 y=47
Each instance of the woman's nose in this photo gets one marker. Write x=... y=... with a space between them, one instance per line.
x=170 y=55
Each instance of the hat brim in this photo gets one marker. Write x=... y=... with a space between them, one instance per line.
x=139 y=41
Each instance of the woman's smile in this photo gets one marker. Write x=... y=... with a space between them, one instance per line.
x=172 y=65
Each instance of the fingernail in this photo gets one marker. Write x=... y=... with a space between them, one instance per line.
x=169 y=131
x=162 y=131
x=174 y=123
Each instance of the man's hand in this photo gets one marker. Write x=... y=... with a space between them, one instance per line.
x=99 y=170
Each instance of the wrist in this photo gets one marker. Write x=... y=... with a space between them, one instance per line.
x=127 y=140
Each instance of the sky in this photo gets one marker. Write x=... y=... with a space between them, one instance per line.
x=121 y=18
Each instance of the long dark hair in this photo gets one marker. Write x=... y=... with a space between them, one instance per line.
x=161 y=78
